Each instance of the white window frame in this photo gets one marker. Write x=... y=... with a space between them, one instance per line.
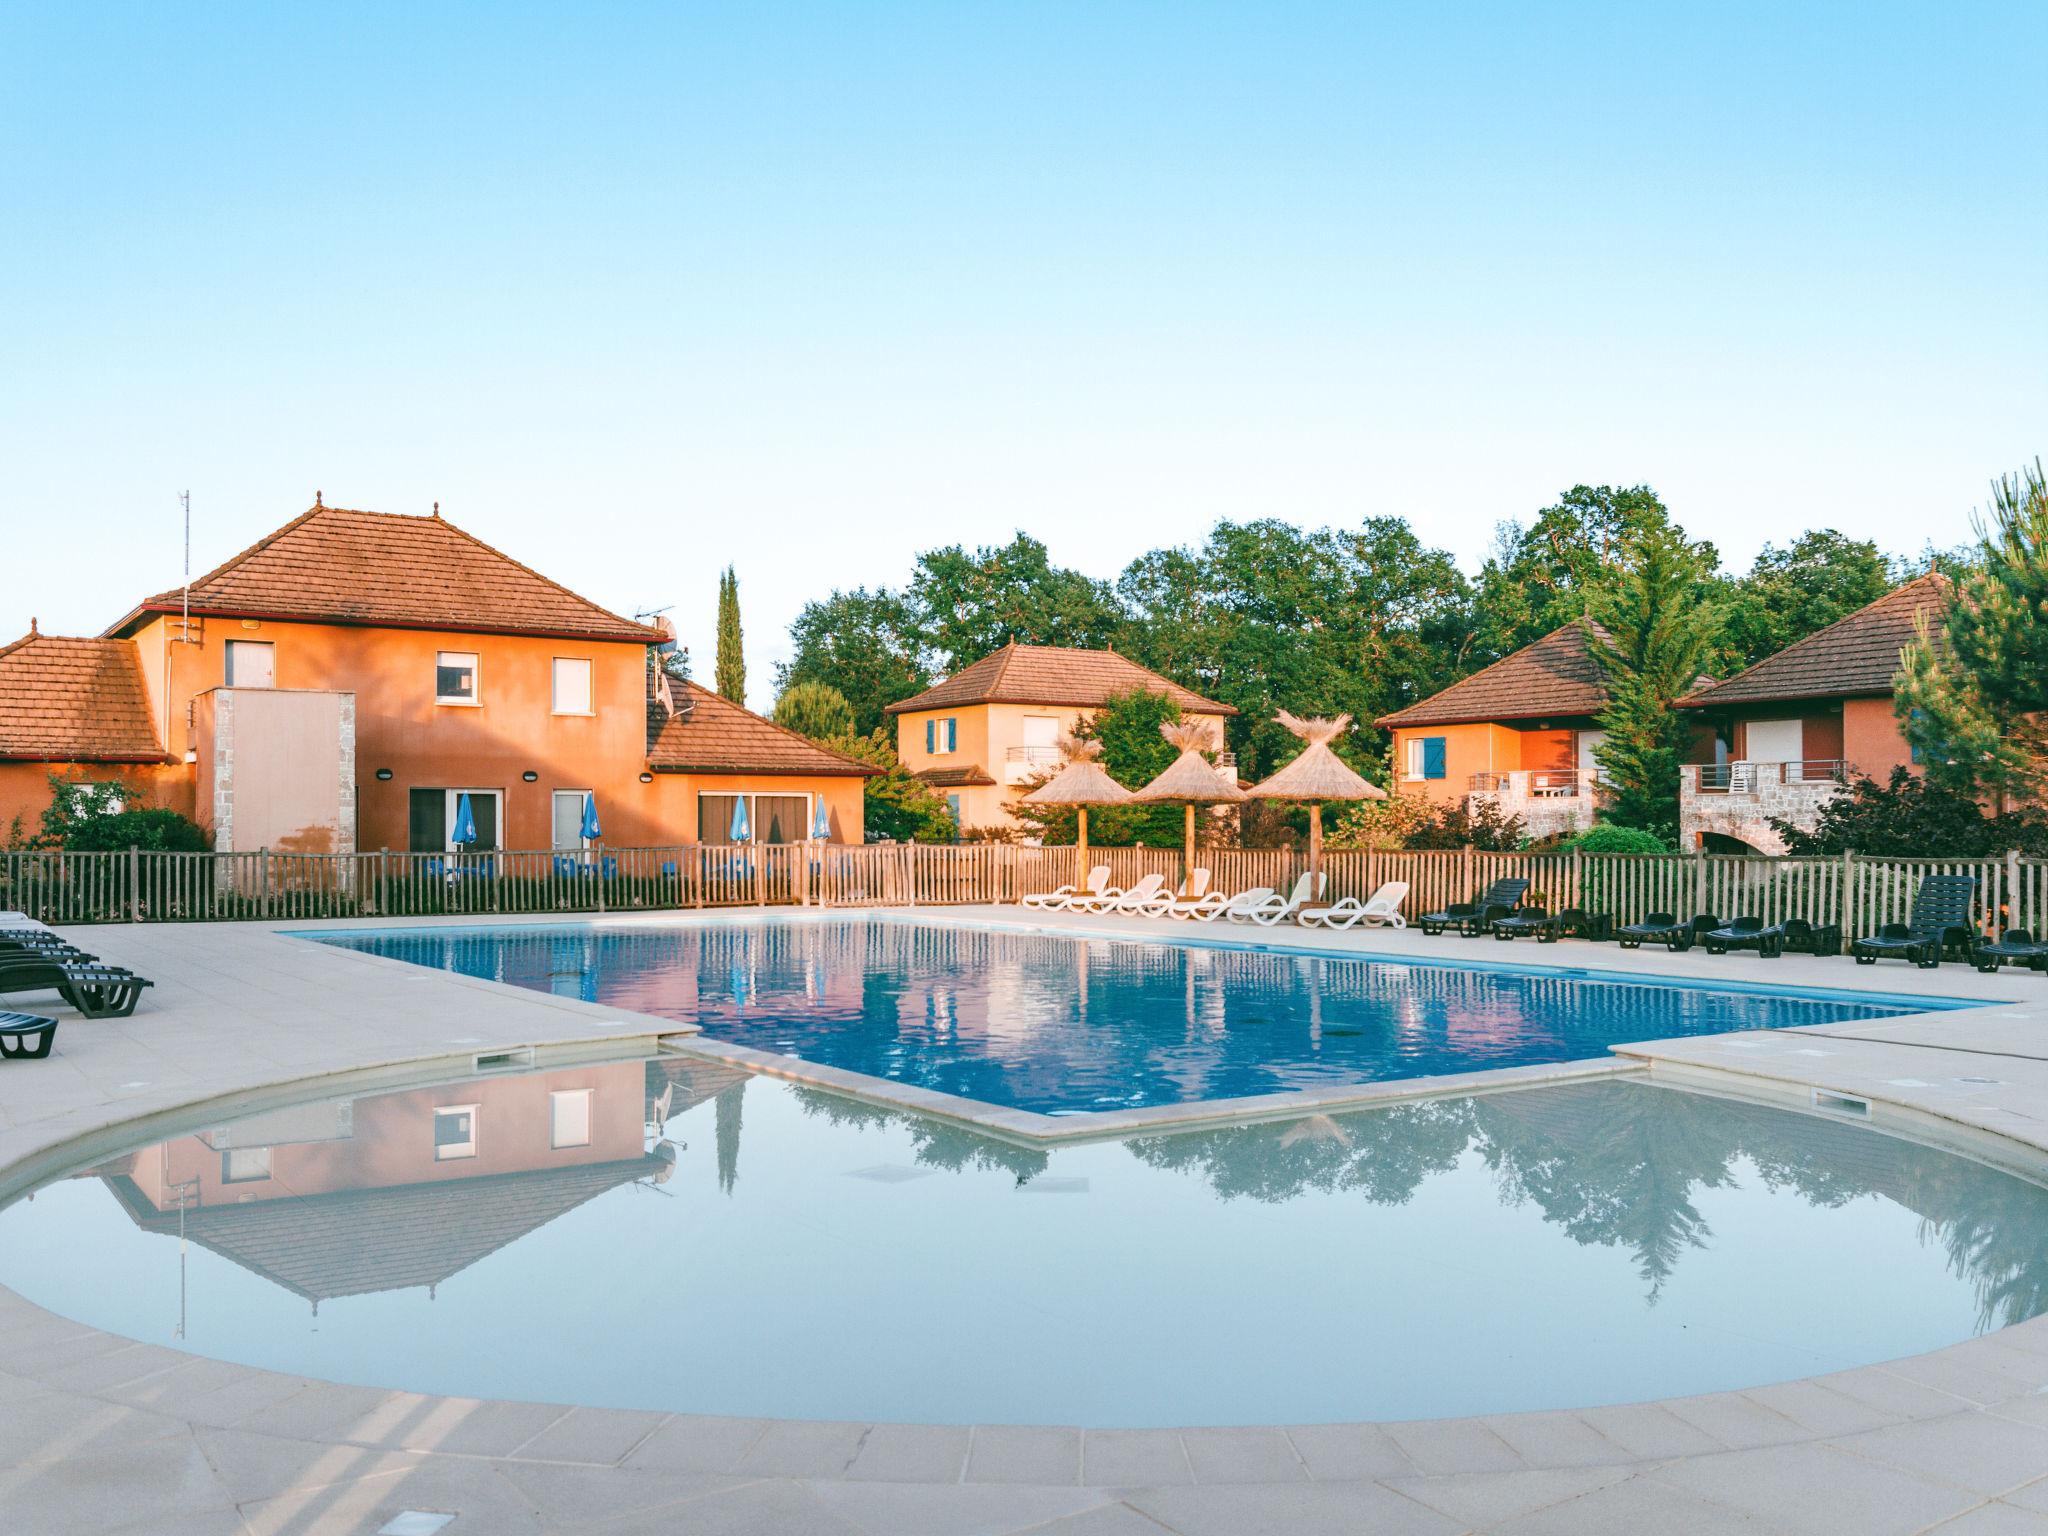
x=1411 y=769
x=227 y=668
x=476 y=681
x=452 y=1152
x=451 y=798
x=588 y=1096
x=582 y=843
x=246 y=1157
x=589 y=685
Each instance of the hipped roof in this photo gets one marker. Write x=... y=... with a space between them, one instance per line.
x=1052 y=674
x=75 y=699
x=715 y=735
x=1854 y=656
x=340 y=565
x=1557 y=675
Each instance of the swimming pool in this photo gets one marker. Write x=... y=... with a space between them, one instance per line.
x=1061 y=1024
x=674 y=1234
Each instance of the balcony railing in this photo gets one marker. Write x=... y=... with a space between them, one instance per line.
x=1039 y=757
x=1746 y=778
x=1536 y=784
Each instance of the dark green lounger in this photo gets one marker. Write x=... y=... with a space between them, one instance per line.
x=1941 y=907
x=97 y=991
x=26 y=1036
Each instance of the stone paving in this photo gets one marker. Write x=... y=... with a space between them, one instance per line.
x=102 y=1434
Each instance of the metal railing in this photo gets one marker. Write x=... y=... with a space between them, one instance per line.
x=1857 y=892
x=1040 y=756
x=1748 y=778
x=1537 y=783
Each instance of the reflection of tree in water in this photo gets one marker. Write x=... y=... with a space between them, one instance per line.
x=727 y=1106
x=1622 y=1165
x=1384 y=1155
x=934 y=1143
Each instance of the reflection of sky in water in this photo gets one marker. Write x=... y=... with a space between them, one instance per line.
x=1049 y=1023
x=811 y=1255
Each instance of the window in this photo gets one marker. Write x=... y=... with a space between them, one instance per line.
x=572 y=685
x=1426 y=757
x=244 y=1165
x=455 y=677
x=769 y=819
x=568 y=819
x=483 y=809
x=431 y=815
x=942 y=735
x=569 y=1118
x=454 y=1132
x=252 y=664
x=953 y=810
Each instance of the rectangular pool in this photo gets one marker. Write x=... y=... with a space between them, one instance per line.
x=1073 y=1024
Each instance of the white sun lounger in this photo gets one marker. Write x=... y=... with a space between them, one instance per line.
x=1052 y=901
x=1192 y=890
x=1384 y=906
x=1132 y=900
x=1275 y=909
x=1216 y=904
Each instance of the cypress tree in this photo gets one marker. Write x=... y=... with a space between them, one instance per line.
x=1972 y=692
x=732 y=662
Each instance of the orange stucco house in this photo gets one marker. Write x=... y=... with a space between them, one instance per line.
x=1800 y=722
x=983 y=735
x=339 y=685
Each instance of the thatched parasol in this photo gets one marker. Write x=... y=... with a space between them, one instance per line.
x=1190 y=779
x=1082 y=783
x=1316 y=774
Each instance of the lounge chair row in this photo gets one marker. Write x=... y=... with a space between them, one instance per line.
x=37 y=960
x=1194 y=901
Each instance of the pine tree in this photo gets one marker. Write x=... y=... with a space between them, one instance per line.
x=1972 y=694
x=1659 y=631
x=731 y=666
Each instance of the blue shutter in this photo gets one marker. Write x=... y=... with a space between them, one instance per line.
x=1432 y=757
x=931 y=736
x=952 y=734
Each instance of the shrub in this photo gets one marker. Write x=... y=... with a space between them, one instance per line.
x=1606 y=837
x=94 y=818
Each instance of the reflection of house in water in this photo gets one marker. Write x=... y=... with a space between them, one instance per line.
x=395 y=1190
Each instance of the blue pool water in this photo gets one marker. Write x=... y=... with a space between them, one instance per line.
x=1066 y=1024
x=675 y=1234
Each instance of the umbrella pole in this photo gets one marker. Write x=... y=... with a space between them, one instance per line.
x=1315 y=837
x=1187 y=869
x=1081 y=846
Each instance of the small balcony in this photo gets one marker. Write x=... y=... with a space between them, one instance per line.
x=1022 y=763
x=1549 y=800
x=1741 y=799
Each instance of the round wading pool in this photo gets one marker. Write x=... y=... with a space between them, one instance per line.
x=673 y=1234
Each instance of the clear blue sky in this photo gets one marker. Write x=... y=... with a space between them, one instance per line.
x=635 y=291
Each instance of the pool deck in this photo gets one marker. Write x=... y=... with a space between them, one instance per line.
x=102 y=1434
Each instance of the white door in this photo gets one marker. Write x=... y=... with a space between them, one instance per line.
x=1776 y=741
x=1589 y=765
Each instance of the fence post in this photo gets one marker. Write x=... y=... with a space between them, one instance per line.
x=1848 y=919
x=1699 y=880
x=1465 y=870
x=1578 y=877
x=134 y=884
x=2012 y=893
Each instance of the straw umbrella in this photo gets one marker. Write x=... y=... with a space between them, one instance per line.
x=1316 y=774
x=1190 y=780
x=1082 y=783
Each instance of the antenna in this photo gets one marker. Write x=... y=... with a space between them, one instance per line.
x=185 y=501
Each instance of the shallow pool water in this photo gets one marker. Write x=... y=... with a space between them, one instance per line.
x=672 y=1234
x=1067 y=1024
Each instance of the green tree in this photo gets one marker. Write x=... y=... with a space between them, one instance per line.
x=816 y=710
x=867 y=644
x=1912 y=815
x=1973 y=692
x=1793 y=591
x=1658 y=632
x=900 y=806
x=731 y=669
x=1564 y=564
x=970 y=604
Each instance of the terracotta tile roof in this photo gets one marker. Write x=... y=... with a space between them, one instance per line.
x=1854 y=656
x=334 y=565
x=1555 y=676
x=973 y=776
x=715 y=735
x=66 y=699
x=1052 y=674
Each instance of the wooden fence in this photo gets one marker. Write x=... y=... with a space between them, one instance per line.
x=1857 y=892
